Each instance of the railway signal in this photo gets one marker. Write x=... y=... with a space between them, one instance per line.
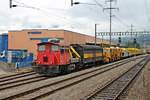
x=119 y=40
x=134 y=41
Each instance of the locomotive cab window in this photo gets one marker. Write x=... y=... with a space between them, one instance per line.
x=41 y=48
x=54 y=48
x=62 y=50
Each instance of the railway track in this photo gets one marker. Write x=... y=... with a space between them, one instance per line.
x=14 y=76
x=17 y=79
x=52 y=87
x=15 y=83
x=116 y=87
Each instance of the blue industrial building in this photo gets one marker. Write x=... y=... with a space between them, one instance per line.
x=21 y=58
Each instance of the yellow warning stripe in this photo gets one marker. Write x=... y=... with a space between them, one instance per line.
x=88 y=55
x=91 y=55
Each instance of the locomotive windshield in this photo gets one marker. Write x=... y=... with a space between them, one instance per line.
x=41 y=48
x=54 y=48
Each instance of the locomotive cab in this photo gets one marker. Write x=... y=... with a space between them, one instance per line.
x=48 y=54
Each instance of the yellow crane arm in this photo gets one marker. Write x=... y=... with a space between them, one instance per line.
x=74 y=51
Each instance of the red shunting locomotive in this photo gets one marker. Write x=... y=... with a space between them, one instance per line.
x=51 y=57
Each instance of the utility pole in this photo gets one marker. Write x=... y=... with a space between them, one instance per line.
x=95 y=44
x=102 y=40
x=110 y=20
x=134 y=39
x=95 y=33
x=110 y=8
x=143 y=40
x=131 y=31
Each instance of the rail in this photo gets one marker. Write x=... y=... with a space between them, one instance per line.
x=113 y=89
x=64 y=83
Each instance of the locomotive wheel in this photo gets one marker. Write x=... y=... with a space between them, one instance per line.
x=63 y=69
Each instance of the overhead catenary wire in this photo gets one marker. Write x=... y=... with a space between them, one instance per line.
x=113 y=22
x=32 y=7
x=100 y=5
x=39 y=9
x=66 y=21
x=121 y=21
x=49 y=8
x=146 y=10
x=132 y=13
x=46 y=12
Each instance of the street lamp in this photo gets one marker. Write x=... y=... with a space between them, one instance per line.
x=76 y=3
x=11 y=5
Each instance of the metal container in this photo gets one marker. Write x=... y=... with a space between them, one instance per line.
x=16 y=55
x=3 y=42
x=26 y=62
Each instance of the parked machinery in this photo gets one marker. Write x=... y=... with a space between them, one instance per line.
x=107 y=55
x=54 y=59
x=125 y=53
x=134 y=51
x=118 y=53
x=112 y=54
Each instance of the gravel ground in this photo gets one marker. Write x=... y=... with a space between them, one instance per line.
x=46 y=89
x=84 y=88
x=30 y=86
x=2 y=72
x=72 y=91
x=6 y=68
x=140 y=90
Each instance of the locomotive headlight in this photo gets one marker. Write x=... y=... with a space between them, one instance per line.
x=38 y=62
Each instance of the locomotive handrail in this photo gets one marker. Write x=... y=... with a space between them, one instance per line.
x=70 y=53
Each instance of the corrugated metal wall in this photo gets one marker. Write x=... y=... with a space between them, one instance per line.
x=3 y=42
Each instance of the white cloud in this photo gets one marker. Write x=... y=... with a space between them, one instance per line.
x=80 y=18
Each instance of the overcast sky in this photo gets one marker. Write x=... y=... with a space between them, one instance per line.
x=58 y=14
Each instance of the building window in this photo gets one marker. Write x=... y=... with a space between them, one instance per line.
x=42 y=39
x=46 y=39
x=34 y=32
